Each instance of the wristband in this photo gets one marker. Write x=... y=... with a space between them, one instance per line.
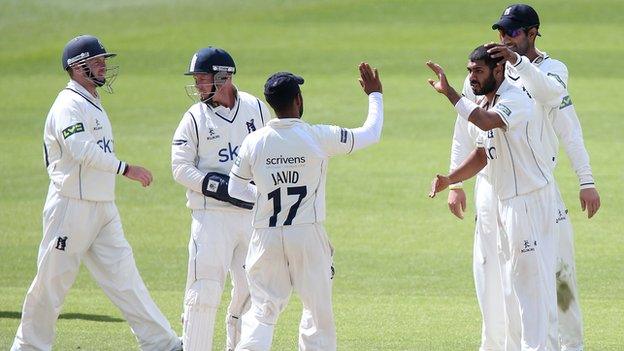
x=456 y=186
x=464 y=107
x=126 y=169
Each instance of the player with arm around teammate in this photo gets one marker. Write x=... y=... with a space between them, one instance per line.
x=289 y=249
x=509 y=144
x=205 y=145
x=80 y=220
x=546 y=79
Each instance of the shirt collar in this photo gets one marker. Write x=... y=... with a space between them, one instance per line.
x=79 y=88
x=284 y=122
x=505 y=85
x=541 y=56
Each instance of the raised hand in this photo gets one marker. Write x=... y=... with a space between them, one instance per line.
x=139 y=174
x=502 y=51
x=442 y=85
x=369 y=79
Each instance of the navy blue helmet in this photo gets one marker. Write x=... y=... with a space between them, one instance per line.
x=82 y=48
x=211 y=60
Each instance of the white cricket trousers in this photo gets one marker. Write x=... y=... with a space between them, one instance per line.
x=528 y=252
x=569 y=310
x=487 y=268
x=218 y=244
x=487 y=274
x=280 y=259
x=76 y=231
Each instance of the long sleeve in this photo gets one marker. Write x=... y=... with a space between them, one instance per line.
x=546 y=87
x=184 y=155
x=370 y=132
x=70 y=127
x=242 y=189
x=241 y=173
x=568 y=129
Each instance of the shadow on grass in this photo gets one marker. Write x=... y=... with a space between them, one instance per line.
x=86 y=317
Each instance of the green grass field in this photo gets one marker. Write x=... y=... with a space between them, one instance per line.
x=404 y=276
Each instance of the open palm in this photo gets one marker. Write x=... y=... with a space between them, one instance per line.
x=442 y=85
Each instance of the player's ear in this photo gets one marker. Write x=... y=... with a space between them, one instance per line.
x=299 y=99
x=532 y=34
x=499 y=72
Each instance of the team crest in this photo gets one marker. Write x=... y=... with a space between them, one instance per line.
x=61 y=243
x=251 y=127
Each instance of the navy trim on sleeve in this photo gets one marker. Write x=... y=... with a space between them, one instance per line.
x=352 y=141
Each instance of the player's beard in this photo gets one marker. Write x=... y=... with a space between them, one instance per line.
x=488 y=86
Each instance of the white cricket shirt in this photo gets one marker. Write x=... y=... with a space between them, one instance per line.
x=208 y=140
x=79 y=148
x=287 y=160
x=514 y=153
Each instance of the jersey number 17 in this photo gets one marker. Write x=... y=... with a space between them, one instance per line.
x=275 y=195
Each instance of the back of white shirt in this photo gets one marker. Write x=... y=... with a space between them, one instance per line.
x=287 y=160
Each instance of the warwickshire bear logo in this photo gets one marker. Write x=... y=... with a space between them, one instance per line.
x=61 y=243
x=251 y=127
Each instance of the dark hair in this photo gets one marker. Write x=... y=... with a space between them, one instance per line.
x=481 y=54
x=281 y=101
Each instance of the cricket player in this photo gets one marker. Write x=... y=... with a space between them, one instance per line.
x=509 y=142
x=289 y=249
x=545 y=79
x=205 y=145
x=80 y=219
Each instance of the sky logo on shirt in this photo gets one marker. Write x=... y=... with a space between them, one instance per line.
x=106 y=145
x=229 y=153
x=73 y=129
